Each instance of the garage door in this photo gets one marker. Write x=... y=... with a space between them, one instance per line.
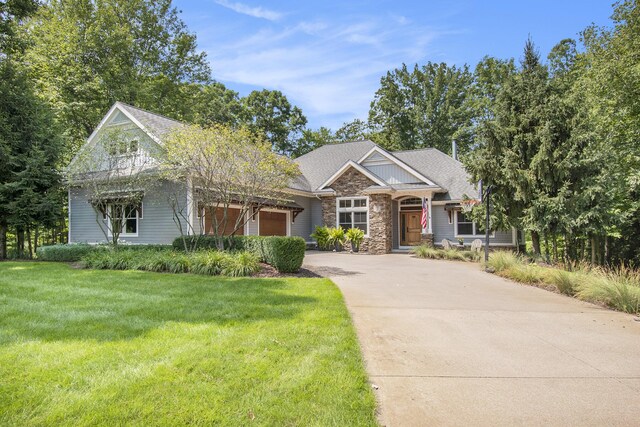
x=232 y=217
x=273 y=223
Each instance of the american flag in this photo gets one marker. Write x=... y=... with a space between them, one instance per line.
x=425 y=214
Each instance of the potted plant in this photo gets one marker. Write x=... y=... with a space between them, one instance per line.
x=336 y=238
x=321 y=235
x=355 y=236
x=461 y=241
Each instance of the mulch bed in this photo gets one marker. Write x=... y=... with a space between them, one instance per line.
x=268 y=271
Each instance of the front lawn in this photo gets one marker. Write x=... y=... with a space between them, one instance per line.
x=87 y=347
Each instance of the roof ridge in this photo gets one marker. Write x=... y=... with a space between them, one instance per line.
x=150 y=112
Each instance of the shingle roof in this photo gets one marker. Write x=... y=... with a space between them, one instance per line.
x=450 y=174
x=320 y=164
x=155 y=124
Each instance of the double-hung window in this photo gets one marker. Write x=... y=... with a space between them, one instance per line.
x=353 y=212
x=126 y=217
x=466 y=227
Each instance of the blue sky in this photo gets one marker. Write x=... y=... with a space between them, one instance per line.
x=328 y=56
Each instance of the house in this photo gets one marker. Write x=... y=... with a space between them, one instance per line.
x=353 y=184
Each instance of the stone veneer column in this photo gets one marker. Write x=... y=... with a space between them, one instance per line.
x=380 y=223
x=427 y=239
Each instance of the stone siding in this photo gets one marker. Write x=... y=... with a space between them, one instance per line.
x=351 y=184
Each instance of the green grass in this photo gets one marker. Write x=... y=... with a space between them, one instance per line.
x=617 y=288
x=91 y=347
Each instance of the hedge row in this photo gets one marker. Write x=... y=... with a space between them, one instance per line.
x=76 y=251
x=212 y=263
x=285 y=254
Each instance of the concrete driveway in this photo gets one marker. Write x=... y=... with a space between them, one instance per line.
x=447 y=344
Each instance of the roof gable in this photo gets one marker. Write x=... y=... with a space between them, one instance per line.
x=349 y=165
x=380 y=155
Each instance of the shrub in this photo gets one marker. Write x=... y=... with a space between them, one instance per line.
x=284 y=253
x=321 y=236
x=524 y=273
x=201 y=262
x=565 y=281
x=64 y=253
x=425 y=251
x=453 y=255
x=503 y=260
x=619 y=289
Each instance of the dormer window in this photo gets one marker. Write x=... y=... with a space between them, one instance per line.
x=123 y=148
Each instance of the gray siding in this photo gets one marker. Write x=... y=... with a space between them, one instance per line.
x=156 y=226
x=302 y=225
x=393 y=174
x=442 y=229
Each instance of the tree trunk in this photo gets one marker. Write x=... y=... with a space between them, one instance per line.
x=554 y=242
x=20 y=242
x=535 y=240
x=547 y=252
x=3 y=240
x=35 y=240
x=29 y=245
x=593 y=250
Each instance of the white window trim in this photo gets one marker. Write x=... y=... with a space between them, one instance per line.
x=455 y=229
x=352 y=209
x=123 y=234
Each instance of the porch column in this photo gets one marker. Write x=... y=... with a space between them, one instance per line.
x=430 y=209
x=424 y=229
x=190 y=212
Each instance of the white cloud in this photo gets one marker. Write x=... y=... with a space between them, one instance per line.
x=256 y=12
x=331 y=70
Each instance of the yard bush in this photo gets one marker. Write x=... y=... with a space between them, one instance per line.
x=64 y=253
x=202 y=262
x=618 y=289
x=321 y=236
x=429 y=252
x=284 y=253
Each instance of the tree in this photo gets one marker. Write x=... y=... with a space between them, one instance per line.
x=508 y=143
x=215 y=104
x=135 y=51
x=424 y=107
x=29 y=154
x=355 y=130
x=312 y=139
x=270 y=112
x=226 y=167
x=12 y=12
x=612 y=95
x=114 y=173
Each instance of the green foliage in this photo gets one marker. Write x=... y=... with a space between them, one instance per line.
x=423 y=107
x=285 y=254
x=269 y=112
x=139 y=52
x=566 y=282
x=618 y=289
x=429 y=252
x=336 y=237
x=503 y=260
x=321 y=236
x=212 y=263
x=64 y=253
x=355 y=236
